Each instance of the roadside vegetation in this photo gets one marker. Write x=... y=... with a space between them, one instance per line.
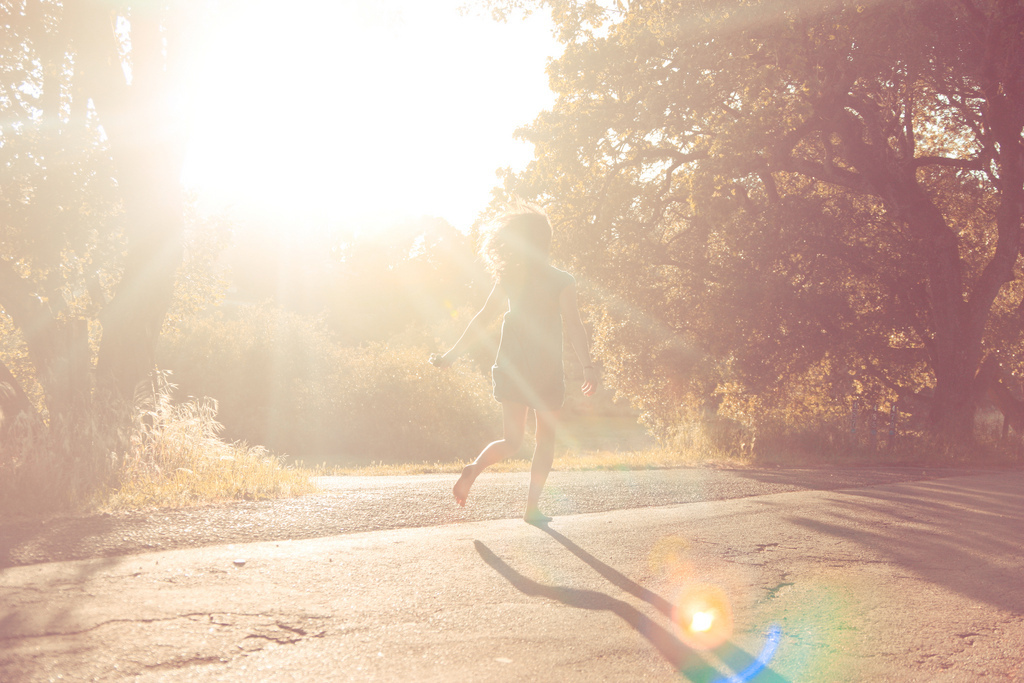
x=168 y=454
x=795 y=229
x=823 y=448
x=176 y=458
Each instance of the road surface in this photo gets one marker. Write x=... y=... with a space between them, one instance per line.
x=699 y=575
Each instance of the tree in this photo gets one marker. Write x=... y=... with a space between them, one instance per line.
x=92 y=215
x=813 y=195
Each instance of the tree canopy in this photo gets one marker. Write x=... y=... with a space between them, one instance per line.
x=92 y=209
x=784 y=202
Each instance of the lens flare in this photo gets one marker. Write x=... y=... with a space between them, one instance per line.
x=702 y=621
x=703 y=616
x=771 y=644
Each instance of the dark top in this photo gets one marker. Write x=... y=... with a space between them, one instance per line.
x=528 y=368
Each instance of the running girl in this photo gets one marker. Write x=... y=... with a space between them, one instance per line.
x=536 y=299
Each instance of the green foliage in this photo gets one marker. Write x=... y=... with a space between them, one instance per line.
x=14 y=358
x=370 y=283
x=282 y=381
x=270 y=370
x=62 y=224
x=775 y=199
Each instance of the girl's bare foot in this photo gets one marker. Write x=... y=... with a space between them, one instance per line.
x=536 y=518
x=461 y=488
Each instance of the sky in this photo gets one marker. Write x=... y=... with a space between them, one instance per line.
x=365 y=112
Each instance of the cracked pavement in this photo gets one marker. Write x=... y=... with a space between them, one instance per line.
x=912 y=578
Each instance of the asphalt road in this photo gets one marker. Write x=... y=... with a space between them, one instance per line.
x=357 y=504
x=766 y=576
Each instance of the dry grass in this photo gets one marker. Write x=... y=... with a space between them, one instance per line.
x=176 y=458
x=232 y=472
x=568 y=461
x=166 y=455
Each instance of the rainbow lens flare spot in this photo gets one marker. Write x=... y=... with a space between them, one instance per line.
x=771 y=644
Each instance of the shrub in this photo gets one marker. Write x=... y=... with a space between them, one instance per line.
x=159 y=453
x=175 y=458
x=397 y=408
x=272 y=372
x=283 y=381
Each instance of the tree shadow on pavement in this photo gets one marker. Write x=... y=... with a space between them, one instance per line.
x=954 y=533
x=37 y=605
x=685 y=660
x=838 y=478
x=28 y=611
x=31 y=541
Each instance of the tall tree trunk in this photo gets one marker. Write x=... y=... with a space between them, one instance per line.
x=147 y=148
x=13 y=400
x=1003 y=83
x=956 y=335
x=59 y=349
x=133 y=319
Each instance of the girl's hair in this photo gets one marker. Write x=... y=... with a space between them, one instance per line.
x=520 y=241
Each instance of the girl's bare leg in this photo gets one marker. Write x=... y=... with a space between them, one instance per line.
x=543 y=458
x=513 y=424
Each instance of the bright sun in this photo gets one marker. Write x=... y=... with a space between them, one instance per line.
x=354 y=109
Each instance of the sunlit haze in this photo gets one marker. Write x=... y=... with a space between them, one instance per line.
x=361 y=111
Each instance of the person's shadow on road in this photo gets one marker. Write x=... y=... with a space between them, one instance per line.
x=687 y=661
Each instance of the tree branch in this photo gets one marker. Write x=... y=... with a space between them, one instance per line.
x=975 y=164
x=830 y=174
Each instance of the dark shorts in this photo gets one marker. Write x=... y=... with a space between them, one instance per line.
x=541 y=393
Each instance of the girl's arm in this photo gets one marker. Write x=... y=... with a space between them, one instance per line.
x=577 y=335
x=497 y=301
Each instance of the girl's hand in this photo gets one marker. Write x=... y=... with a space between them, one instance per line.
x=591 y=380
x=439 y=361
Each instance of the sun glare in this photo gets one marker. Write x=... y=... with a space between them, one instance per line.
x=362 y=109
x=703 y=615
x=702 y=621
